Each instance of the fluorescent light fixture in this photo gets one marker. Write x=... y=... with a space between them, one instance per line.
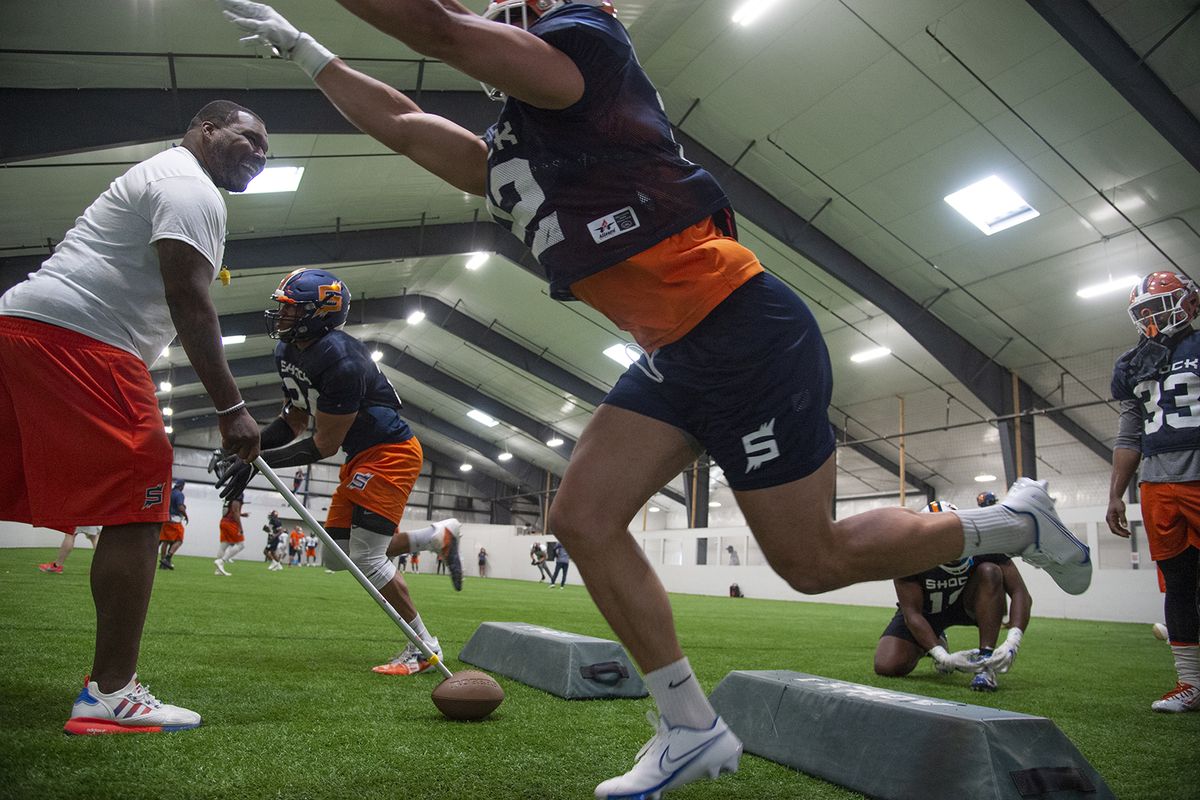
x=619 y=353
x=482 y=418
x=165 y=386
x=870 y=355
x=505 y=456
x=991 y=205
x=377 y=355
x=555 y=442
x=714 y=504
x=1123 y=283
x=476 y=261
x=984 y=478
x=276 y=179
x=568 y=405
x=751 y=10
x=237 y=339
x=465 y=468
x=168 y=429
x=655 y=509
x=415 y=317
x=167 y=411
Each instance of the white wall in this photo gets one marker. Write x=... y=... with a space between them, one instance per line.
x=1118 y=593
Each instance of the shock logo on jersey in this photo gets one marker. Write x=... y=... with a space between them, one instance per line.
x=760 y=446
x=614 y=224
x=154 y=496
x=359 y=481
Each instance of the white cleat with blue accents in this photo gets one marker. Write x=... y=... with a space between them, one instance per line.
x=675 y=756
x=1055 y=549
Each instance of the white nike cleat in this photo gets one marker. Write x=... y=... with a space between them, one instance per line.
x=1055 y=549
x=673 y=757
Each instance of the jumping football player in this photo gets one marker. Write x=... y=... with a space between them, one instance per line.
x=583 y=167
x=970 y=591
x=329 y=376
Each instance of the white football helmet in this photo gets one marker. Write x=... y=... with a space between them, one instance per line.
x=1163 y=303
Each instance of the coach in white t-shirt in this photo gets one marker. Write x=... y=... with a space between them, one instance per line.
x=80 y=428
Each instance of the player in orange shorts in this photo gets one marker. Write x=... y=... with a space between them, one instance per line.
x=171 y=535
x=232 y=537
x=330 y=375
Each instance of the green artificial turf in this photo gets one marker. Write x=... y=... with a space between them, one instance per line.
x=278 y=665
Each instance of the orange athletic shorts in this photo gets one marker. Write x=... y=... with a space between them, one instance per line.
x=379 y=479
x=311 y=552
x=1171 y=513
x=80 y=431
x=231 y=532
x=171 y=532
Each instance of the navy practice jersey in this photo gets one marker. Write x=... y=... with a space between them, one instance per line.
x=591 y=185
x=1169 y=400
x=177 y=503
x=943 y=589
x=335 y=374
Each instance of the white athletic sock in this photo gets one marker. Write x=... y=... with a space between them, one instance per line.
x=419 y=627
x=994 y=529
x=232 y=551
x=1187 y=663
x=221 y=551
x=678 y=695
x=422 y=539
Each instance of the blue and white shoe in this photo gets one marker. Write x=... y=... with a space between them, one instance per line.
x=675 y=756
x=984 y=681
x=1055 y=549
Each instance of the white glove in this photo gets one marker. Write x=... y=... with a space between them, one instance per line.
x=945 y=663
x=1004 y=655
x=269 y=27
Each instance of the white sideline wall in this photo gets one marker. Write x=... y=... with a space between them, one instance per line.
x=1117 y=593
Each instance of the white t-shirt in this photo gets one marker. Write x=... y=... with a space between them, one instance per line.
x=103 y=280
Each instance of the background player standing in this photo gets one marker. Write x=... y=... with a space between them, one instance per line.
x=76 y=399
x=232 y=537
x=329 y=376
x=171 y=536
x=1157 y=383
x=582 y=166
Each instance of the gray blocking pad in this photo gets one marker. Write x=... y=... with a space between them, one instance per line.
x=897 y=746
x=565 y=664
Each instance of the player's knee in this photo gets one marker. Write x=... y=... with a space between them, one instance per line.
x=990 y=577
x=892 y=669
x=368 y=551
x=329 y=559
x=808 y=575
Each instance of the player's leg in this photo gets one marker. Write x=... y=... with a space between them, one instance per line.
x=897 y=653
x=984 y=597
x=441 y=537
x=60 y=558
x=1182 y=605
x=121 y=579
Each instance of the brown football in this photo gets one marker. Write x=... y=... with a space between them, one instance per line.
x=468 y=695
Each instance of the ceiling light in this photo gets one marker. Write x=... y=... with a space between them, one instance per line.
x=415 y=317
x=568 y=405
x=377 y=355
x=465 y=468
x=714 y=504
x=870 y=355
x=1113 y=285
x=482 y=418
x=167 y=411
x=655 y=509
x=751 y=10
x=555 y=442
x=168 y=429
x=476 y=261
x=618 y=353
x=985 y=478
x=236 y=339
x=165 y=386
x=991 y=205
x=276 y=179
x=166 y=353
x=505 y=456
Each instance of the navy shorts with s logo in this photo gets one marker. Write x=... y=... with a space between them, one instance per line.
x=751 y=383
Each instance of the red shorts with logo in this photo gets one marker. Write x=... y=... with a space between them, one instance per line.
x=231 y=532
x=171 y=532
x=1171 y=513
x=379 y=479
x=80 y=431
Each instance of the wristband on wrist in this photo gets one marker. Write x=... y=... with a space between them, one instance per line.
x=238 y=406
x=310 y=55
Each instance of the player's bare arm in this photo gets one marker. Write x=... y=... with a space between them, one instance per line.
x=911 y=601
x=331 y=431
x=1125 y=464
x=515 y=62
x=186 y=274
x=1020 y=602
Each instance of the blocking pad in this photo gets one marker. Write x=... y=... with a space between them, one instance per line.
x=569 y=665
x=900 y=746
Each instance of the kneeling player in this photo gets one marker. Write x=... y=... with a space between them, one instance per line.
x=330 y=375
x=967 y=592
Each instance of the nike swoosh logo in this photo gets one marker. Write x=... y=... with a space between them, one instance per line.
x=673 y=764
x=674 y=685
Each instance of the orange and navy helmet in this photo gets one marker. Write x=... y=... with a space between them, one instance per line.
x=985 y=499
x=1163 y=303
x=323 y=300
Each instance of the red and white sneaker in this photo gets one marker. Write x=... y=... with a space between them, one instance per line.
x=1184 y=697
x=51 y=567
x=410 y=661
x=129 y=710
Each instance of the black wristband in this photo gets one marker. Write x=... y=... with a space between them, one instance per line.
x=275 y=435
x=298 y=453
